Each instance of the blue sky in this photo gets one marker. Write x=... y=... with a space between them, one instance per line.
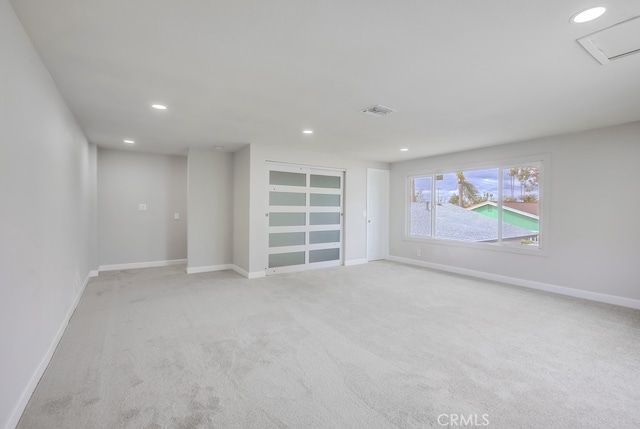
x=484 y=180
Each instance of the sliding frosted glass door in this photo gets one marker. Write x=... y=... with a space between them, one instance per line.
x=305 y=218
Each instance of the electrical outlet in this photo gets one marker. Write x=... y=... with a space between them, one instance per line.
x=417 y=252
x=176 y=216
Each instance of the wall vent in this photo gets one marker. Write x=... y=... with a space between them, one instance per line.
x=377 y=110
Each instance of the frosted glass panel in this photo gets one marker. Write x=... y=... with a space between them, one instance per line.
x=287 y=219
x=324 y=218
x=280 y=239
x=318 y=181
x=325 y=200
x=324 y=255
x=286 y=178
x=286 y=259
x=287 y=199
x=300 y=204
x=316 y=237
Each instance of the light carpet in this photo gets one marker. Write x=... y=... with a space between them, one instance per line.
x=381 y=345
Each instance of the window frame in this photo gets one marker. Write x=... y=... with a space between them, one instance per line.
x=502 y=246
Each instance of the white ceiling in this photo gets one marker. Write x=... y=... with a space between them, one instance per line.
x=460 y=74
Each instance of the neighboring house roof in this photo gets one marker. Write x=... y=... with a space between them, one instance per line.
x=458 y=223
x=526 y=209
x=531 y=208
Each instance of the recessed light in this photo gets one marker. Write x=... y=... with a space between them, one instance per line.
x=129 y=141
x=219 y=148
x=307 y=132
x=404 y=149
x=159 y=106
x=588 y=15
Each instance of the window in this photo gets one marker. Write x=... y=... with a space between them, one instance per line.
x=498 y=204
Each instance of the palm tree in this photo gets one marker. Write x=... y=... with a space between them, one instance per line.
x=467 y=192
x=512 y=181
x=528 y=178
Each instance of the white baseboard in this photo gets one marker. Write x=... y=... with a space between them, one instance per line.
x=209 y=268
x=240 y=271
x=141 y=265
x=562 y=290
x=94 y=273
x=247 y=274
x=19 y=408
x=257 y=275
x=237 y=269
x=355 y=262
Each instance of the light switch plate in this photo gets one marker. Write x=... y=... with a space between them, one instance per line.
x=142 y=207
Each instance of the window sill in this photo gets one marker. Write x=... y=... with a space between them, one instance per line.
x=495 y=247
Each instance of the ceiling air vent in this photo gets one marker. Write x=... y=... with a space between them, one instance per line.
x=613 y=42
x=377 y=110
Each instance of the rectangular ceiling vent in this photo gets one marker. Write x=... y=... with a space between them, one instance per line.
x=612 y=43
x=377 y=110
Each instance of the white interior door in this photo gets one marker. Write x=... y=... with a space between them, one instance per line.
x=305 y=218
x=377 y=214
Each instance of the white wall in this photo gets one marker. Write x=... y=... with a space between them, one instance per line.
x=47 y=188
x=241 y=207
x=127 y=235
x=355 y=197
x=92 y=184
x=210 y=229
x=592 y=227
